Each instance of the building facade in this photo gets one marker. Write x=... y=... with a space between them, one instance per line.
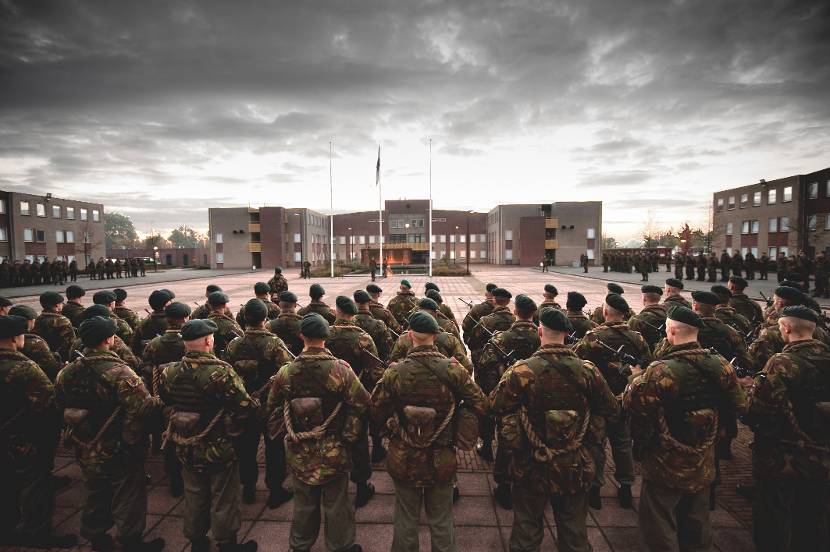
x=45 y=227
x=784 y=215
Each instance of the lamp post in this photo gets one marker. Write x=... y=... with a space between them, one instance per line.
x=467 y=231
x=406 y=236
x=455 y=247
x=351 y=245
x=155 y=258
x=302 y=249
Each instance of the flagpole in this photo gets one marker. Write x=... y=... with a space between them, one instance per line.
x=331 y=216
x=380 y=215
x=430 y=208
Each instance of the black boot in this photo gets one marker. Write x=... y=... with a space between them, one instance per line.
x=135 y=544
x=594 y=500
x=504 y=496
x=485 y=450
x=278 y=497
x=202 y=544
x=365 y=491
x=624 y=496
x=249 y=495
x=102 y=543
x=247 y=546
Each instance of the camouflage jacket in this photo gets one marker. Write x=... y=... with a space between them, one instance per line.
x=202 y=384
x=446 y=343
x=747 y=308
x=124 y=331
x=472 y=317
x=228 y=331
x=401 y=305
x=378 y=331
x=37 y=350
x=500 y=319
x=318 y=374
x=286 y=326
x=542 y=305
x=782 y=412
x=599 y=319
x=770 y=342
x=320 y=308
x=101 y=384
x=256 y=356
x=26 y=408
x=650 y=323
x=613 y=334
x=382 y=313
x=581 y=323
x=555 y=390
x=150 y=327
x=730 y=317
x=203 y=311
x=273 y=312
x=351 y=343
x=277 y=284
x=71 y=310
x=723 y=339
x=57 y=331
x=425 y=378
x=518 y=342
x=118 y=347
x=126 y=314
x=447 y=311
x=678 y=299
x=166 y=348
x=675 y=406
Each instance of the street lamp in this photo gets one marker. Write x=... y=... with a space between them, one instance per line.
x=351 y=245
x=468 y=243
x=406 y=236
x=455 y=247
x=155 y=258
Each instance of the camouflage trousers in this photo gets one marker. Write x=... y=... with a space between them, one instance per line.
x=570 y=513
x=212 y=501
x=118 y=498
x=619 y=435
x=247 y=448
x=437 y=501
x=789 y=514
x=332 y=501
x=671 y=518
x=26 y=500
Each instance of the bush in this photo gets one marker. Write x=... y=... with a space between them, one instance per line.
x=444 y=269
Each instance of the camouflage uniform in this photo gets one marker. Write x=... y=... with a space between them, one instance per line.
x=676 y=300
x=202 y=384
x=378 y=331
x=256 y=357
x=38 y=351
x=57 y=331
x=425 y=378
x=581 y=323
x=203 y=311
x=71 y=310
x=320 y=308
x=381 y=313
x=542 y=305
x=647 y=323
x=769 y=342
x=319 y=466
x=790 y=512
x=101 y=389
x=124 y=331
x=277 y=284
x=154 y=325
x=273 y=312
x=472 y=317
x=499 y=320
x=118 y=347
x=447 y=311
x=729 y=316
x=228 y=331
x=675 y=406
x=747 y=308
x=401 y=305
x=286 y=326
x=616 y=374
x=598 y=318
x=555 y=390
x=446 y=343
x=126 y=314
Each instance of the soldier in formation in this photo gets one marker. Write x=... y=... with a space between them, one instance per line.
x=477 y=312
x=203 y=311
x=121 y=309
x=402 y=303
x=261 y=292
x=380 y=312
x=286 y=325
x=277 y=284
x=579 y=320
x=316 y=294
x=53 y=327
x=651 y=321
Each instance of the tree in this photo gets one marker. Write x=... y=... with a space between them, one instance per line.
x=608 y=242
x=153 y=240
x=183 y=236
x=119 y=230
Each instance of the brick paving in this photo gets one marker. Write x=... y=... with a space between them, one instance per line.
x=480 y=524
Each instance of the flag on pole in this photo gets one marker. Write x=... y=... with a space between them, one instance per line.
x=377 y=169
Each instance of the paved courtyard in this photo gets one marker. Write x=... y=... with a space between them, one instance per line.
x=480 y=524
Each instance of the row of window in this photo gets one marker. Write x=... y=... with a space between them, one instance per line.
x=812 y=190
x=404 y=223
x=772 y=252
x=34 y=235
x=57 y=211
x=772 y=198
x=776 y=224
x=812 y=222
x=41 y=258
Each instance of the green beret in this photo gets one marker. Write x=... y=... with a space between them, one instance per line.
x=525 y=303
x=502 y=293
x=195 y=329
x=651 y=288
x=373 y=288
x=722 y=292
x=361 y=297
x=314 y=326
x=345 y=304
x=550 y=288
x=95 y=310
x=217 y=298
x=158 y=299
x=24 y=311
x=95 y=330
x=423 y=322
x=575 y=301
x=120 y=294
x=429 y=285
x=616 y=302
x=74 y=292
x=103 y=297
x=790 y=295
x=800 y=311
x=555 y=319
x=288 y=297
x=738 y=282
x=685 y=315
x=261 y=288
x=490 y=287
x=13 y=326
x=615 y=288
x=315 y=291
x=170 y=294
x=211 y=288
x=4 y=302
x=406 y=284
x=255 y=311
x=435 y=296
x=177 y=311
x=675 y=283
x=278 y=270
x=706 y=297
x=428 y=304
x=792 y=284
x=50 y=299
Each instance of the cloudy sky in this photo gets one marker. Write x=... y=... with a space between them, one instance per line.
x=160 y=109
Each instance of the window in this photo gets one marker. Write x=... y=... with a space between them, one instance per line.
x=2 y=205
x=4 y=236
x=362 y=240
x=417 y=223
x=96 y=215
x=827 y=222
x=372 y=239
x=24 y=208
x=342 y=240
x=70 y=213
x=41 y=209
x=472 y=239
x=508 y=235
x=59 y=236
x=462 y=238
x=483 y=254
x=298 y=256
x=452 y=254
x=731 y=203
x=788 y=194
x=219 y=238
x=592 y=233
x=720 y=204
x=40 y=236
x=773 y=225
x=70 y=236
x=812 y=190
x=771 y=197
x=508 y=254
x=452 y=238
x=220 y=257
x=744 y=251
x=83 y=214
x=298 y=238
x=784 y=224
x=472 y=253
x=756 y=199
x=463 y=253
x=754 y=226
x=442 y=238
x=396 y=223
x=744 y=200
x=56 y=211
x=745 y=227
x=812 y=221
x=729 y=251
x=754 y=251
x=773 y=252
x=432 y=255
x=826 y=192
x=87 y=237
x=482 y=238
x=590 y=254
x=784 y=251
x=728 y=228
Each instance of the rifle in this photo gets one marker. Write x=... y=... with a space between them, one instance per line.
x=469 y=304
x=623 y=357
x=393 y=332
x=661 y=328
x=375 y=357
x=505 y=356
x=571 y=339
x=287 y=350
x=766 y=299
x=741 y=371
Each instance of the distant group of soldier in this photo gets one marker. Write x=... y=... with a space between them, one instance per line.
x=332 y=390
x=118 y=268
x=58 y=272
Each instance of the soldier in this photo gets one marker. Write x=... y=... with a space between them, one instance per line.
x=256 y=357
x=556 y=394
x=516 y=343
x=749 y=264
x=350 y=343
x=499 y=320
x=316 y=293
x=5 y=306
x=643 y=266
x=161 y=350
x=34 y=346
x=725 y=264
x=672 y=294
x=277 y=284
x=679 y=262
x=729 y=315
x=26 y=415
x=73 y=306
x=445 y=323
x=374 y=327
x=651 y=322
x=155 y=323
x=596 y=316
x=53 y=327
x=73 y=270
x=446 y=343
x=599 y=346
x=445 y=310
x=737 y=264
x=478 y=311
x=787 y=412
x=675 y=404
x=318 y=403
x=402 y=303
x=573 y=310
x=419 y=397
x=700 y=261
x=739 y=301
x=712 y=267
x=782 y=267
x=763 y=266
x=286 y=326
x=227 y=328
x=203 y=311
x=107 y=299
x=822 y=267
x=106 y=407
x=118 y=346
x=381 y=313
x=121 y=309
x=208 y=407
x=261 y=290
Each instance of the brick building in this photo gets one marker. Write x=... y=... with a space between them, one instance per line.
x=183 y=257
